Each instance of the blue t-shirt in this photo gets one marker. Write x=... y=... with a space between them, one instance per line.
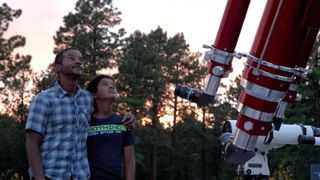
x=106 y=141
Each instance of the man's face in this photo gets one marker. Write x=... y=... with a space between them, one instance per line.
x=72 y=64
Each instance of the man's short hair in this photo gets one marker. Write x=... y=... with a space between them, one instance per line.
x=59 y=57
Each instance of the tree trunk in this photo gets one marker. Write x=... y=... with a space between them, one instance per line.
x=154 y=154
x=93 y=66
x=203 y=151
x=153 y=163
x=173 y=140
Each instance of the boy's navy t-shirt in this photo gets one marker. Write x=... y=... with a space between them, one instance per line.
x=106 y=141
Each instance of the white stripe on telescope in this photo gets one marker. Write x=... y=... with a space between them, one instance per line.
x=288 y=134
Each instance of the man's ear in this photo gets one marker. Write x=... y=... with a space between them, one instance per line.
x=58 y=68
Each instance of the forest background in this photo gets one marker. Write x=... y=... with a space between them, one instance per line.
x=174 y=139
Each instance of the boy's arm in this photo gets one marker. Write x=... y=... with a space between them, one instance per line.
x=33 y=141
x=129 y=162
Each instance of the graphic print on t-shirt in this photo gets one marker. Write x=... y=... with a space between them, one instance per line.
x=106 y=129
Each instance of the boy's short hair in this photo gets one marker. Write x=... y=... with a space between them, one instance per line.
x=93 y=84
x=59 y=57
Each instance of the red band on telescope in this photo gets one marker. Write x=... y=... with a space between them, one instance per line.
x=256 y=103
x=264 y=81
x=290 y=97
x=259 y=128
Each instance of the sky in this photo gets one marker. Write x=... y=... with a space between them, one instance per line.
x=198 y=20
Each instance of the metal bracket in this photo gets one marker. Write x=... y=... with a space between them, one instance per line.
x=217 y=55
x=297 y=71
x=224 y=57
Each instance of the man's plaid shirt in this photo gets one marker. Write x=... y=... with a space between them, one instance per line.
x=63 y=120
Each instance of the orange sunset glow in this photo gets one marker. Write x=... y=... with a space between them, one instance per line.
x=198 y=20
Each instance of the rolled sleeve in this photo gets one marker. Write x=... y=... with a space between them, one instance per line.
x=37 y=118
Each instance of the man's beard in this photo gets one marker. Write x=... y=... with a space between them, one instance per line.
x=75 y=76
x=70 y=73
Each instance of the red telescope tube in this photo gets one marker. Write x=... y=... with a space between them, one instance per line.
x=223 y=49
x=281 y=46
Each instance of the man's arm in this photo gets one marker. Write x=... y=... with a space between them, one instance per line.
x=33 y=141
x=129 y=163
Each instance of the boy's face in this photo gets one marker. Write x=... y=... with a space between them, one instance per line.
x=106 y=89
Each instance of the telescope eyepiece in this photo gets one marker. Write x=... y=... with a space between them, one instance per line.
x=193 y=95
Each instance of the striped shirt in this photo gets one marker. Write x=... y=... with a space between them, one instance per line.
x=63 y=120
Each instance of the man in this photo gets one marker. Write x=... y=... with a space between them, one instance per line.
x=58 y=122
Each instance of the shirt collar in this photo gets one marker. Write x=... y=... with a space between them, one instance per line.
x=61 y=92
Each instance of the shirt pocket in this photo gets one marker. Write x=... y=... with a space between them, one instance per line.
x=84 y=117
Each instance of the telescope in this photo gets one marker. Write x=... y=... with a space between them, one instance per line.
x=255 y=163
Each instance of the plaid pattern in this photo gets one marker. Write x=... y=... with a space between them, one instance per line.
x=63 y=121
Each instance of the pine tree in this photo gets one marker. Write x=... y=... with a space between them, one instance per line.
x=13 y=67
x=91 y=28
x=12 y=152
x=44 y=80
x=140 y=74
x=151 y=65
x=183 y=67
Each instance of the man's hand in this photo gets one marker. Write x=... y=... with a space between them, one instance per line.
x=129 y=121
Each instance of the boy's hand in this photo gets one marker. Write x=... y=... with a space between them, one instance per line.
x=129 y=121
